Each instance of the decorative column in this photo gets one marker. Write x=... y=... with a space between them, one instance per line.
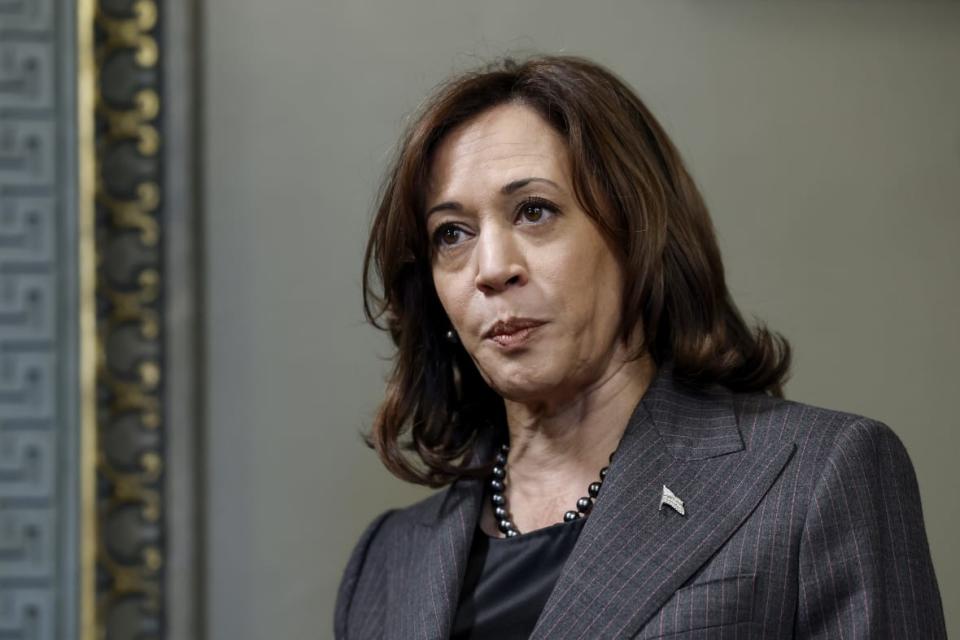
x=130 y=336
x=99 y=365
x=148 y=557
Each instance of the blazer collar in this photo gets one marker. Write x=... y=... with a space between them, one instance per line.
x=691 y=425
x=631 y=555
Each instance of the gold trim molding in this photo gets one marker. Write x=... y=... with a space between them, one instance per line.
x=86 y=237
x=129 y=336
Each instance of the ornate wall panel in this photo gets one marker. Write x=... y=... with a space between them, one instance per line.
x=45 y=390
x=86 y=339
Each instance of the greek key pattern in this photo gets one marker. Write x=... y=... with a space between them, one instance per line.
x=36 y=362
x=130 y=469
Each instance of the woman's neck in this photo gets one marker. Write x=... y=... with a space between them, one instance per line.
x=557 y=450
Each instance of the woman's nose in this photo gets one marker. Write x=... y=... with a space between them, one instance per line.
x=500 y=261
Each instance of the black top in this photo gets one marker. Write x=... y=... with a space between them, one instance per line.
x=508 y=580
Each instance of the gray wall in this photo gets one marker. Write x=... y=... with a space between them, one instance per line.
x=825 y=136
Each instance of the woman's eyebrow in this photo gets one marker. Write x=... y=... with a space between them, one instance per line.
x=506 y=190
x=510 y=187
x=443 y=206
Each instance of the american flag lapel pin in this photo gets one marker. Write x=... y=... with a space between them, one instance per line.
x=670 y=499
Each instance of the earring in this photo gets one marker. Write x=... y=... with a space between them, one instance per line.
x=452 y=336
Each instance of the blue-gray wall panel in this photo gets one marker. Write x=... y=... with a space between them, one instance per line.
x=39 y=295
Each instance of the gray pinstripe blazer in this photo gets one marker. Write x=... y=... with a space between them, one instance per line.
x=800 y=522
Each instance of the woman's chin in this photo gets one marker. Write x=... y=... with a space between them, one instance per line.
x=527 y=390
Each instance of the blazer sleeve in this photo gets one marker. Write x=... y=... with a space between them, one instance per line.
x=350 y=578
x=864 y=566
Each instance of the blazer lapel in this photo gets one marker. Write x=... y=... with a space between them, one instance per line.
x=632 y=554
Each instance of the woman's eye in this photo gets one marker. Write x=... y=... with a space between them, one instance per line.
x=448 y=234
x=535 y=211
x=532 y=212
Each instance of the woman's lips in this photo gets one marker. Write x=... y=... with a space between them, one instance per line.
x=515 y=338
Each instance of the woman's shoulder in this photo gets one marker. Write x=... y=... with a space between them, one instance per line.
x=359 y=581
x=390 y=527
x=761 y=417
x=822 y=435
x=384 y=541
x=704 y=415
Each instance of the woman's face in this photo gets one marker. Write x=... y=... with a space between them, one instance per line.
x=530 y=285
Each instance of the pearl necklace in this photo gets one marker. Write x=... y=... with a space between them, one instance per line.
x=499 y=500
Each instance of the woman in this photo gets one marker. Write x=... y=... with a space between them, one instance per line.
x=620 y=460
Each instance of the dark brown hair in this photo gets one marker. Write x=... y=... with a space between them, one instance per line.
x=631 y=181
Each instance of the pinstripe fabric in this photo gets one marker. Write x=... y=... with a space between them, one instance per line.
x=800 y=522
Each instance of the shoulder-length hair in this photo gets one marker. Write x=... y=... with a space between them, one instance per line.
x=630 y=179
